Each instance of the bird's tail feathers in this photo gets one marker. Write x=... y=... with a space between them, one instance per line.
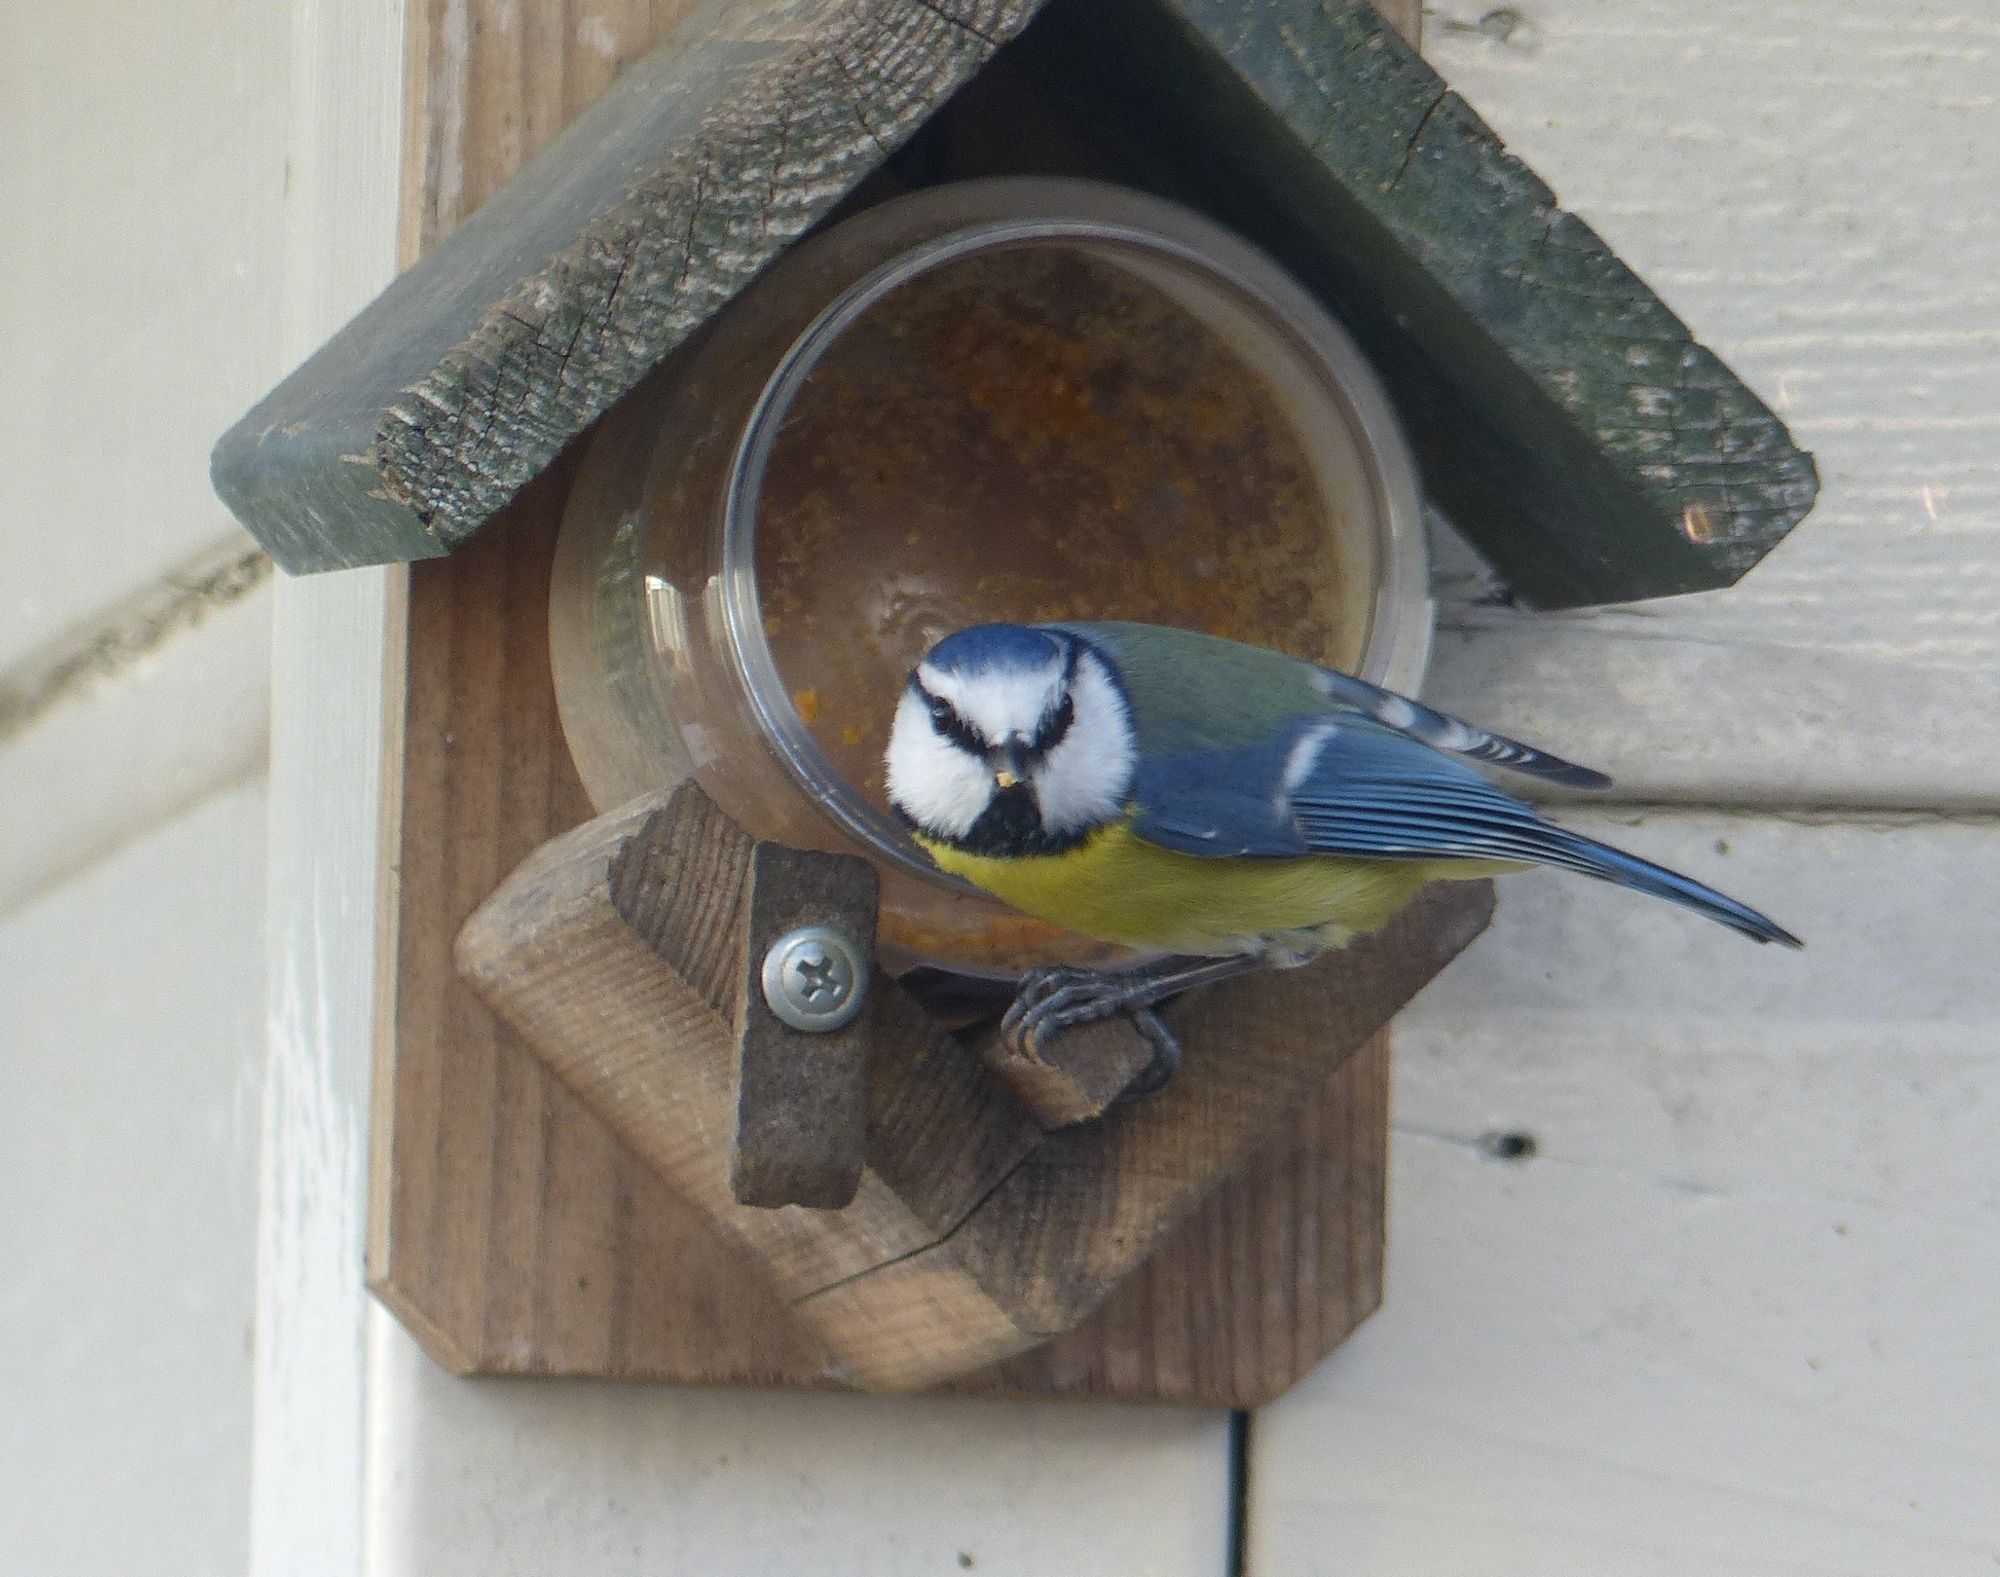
x=1601 y=860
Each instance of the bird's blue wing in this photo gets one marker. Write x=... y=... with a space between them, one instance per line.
x=1370 y=791
x=1224 y=804
x=1343 y=785
x=1351 y=786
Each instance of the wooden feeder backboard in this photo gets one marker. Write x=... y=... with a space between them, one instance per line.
x=517 y=1235
x=509 y=1229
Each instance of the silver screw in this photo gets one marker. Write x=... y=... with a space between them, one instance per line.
x=815 y=979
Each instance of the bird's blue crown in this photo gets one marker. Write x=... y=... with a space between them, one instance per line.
x=985 y=647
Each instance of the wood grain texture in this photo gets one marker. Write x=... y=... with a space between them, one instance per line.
x=1077 y=1076
x=1258 y=1048
x=1567 y=419
x=616 y=952
x=518 y=1236
x=801 y=1096
x=1088 y=1205
x=523 y=323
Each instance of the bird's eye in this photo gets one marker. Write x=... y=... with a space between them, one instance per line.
x=941 y=714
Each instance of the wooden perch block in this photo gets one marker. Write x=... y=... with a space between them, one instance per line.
x=802 y=1098
x=638 y=1019
x=1078 y=1075
x=617 y=952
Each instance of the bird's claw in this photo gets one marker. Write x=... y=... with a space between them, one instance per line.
x=1051 y=999
x=1054 y=998
x=1158 y=1073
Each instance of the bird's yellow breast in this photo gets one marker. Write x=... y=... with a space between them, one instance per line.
x=1117 y=887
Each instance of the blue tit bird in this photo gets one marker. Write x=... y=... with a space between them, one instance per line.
x=1218 y=806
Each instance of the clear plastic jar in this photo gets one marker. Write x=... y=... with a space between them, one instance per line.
x=1027 y=399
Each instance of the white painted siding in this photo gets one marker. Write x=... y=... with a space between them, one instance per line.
x=309 y=1514
x=143 y=184
x=1810 y=183
x=120 y=756
x=130 y=1054
x=632 y=1481
x=142 y=177
x=1734 y=1315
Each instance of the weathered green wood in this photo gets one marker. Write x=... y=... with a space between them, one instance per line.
x=1567 y=420
x=429 y=411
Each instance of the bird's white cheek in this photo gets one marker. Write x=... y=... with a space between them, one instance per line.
x=933 y=782
x=1083 y=787
x=1085 y=779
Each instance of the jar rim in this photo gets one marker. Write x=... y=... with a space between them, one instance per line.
x=976 y=217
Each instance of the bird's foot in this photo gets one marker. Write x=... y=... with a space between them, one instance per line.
x=1054 y=999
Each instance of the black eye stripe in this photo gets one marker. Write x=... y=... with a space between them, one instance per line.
x=1055 y=726
x=946 y=721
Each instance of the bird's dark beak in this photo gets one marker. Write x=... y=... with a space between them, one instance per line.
x=1008 y=762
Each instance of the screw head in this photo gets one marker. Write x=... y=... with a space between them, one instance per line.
x=815 y=979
